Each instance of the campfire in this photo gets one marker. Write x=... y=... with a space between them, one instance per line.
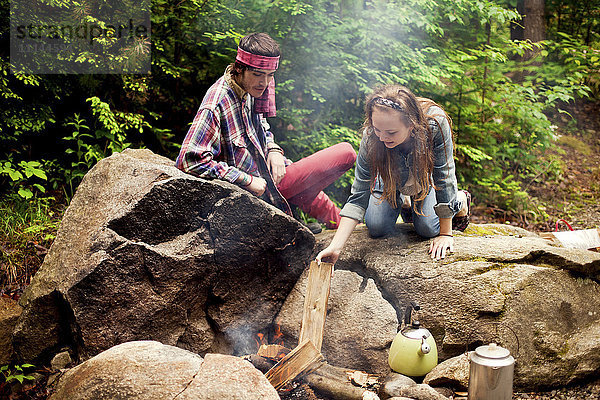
x=306 y=357
x=284 y=367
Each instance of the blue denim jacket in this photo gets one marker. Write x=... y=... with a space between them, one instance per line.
x=444 y=176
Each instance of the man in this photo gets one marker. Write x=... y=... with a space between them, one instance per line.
x=230 y=139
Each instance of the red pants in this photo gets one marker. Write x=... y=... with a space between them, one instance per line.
x=305 y=180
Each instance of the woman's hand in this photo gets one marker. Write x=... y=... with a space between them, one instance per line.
x=276 y=164
x=439 y=245
x=332 y=252
x=328 y=254
x=257 y=186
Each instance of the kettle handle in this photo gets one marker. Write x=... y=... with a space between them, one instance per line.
x=408 y=312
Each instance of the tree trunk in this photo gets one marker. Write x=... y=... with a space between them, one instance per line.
x=533 y=25
x=533 y=20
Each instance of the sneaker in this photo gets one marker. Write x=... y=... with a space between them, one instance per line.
x=461 y=223
x=314 y=227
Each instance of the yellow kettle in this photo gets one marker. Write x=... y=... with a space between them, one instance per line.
x=413 y=351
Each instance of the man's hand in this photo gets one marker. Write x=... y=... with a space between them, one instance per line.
x=257 y=186
x=439 y=245
x=276 y=164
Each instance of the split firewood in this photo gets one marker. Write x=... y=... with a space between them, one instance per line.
x=332 y=381
x=272 y=351
x=362 y=379
x=304 y=359
x=315 y=303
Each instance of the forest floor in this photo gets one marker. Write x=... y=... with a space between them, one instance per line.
x=572 y=194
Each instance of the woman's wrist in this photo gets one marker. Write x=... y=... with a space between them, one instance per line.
x=446 y=234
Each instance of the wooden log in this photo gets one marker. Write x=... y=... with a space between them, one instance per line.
x=315 y=303
x=333 y=382
x=302 y=360
x=263 y=364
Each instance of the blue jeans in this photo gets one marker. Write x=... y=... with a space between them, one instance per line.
x=381 y=217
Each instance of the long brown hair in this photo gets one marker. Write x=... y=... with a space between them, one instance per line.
x=384 y=161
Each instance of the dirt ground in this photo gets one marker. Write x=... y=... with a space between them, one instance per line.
x=572 y=195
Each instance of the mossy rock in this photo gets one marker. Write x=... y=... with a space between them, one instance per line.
x=495 y=230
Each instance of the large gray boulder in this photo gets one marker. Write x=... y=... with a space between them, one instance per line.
x=145 y=251
x=149 y=370
x=549 y=296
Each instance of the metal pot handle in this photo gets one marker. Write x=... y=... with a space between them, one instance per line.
x=497 y=325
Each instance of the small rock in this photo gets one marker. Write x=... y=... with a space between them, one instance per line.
x=421 y=392
x=453 y=372
x=60 y=361
x=368 y=395
x=394 y=382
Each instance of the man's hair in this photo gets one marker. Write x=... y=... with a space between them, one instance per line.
x=260 y=44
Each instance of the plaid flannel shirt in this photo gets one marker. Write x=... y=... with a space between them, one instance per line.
x=228 y=139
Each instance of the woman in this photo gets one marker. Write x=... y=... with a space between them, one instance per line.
x=405 y=165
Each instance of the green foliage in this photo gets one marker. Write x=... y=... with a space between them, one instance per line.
x=457 y=52
x=21 y=177
x=27 y=228
x=16 y=373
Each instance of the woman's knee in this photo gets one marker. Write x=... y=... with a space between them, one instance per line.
x=427 y=228
x=378 y=227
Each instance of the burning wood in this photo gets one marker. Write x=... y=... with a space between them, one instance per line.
x=262 y=364
x=304 y=359
x=274 y=351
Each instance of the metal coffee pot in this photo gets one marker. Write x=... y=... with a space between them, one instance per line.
x=413 y=351
x=491 y=373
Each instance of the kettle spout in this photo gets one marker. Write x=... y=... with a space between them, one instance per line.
x=424 y=349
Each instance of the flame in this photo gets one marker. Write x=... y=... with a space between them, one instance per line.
x=277 y=335
x=273 y=338
x=261 y=340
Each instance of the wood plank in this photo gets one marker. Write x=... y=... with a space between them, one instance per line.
x=303 y=359
x=315 y=303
